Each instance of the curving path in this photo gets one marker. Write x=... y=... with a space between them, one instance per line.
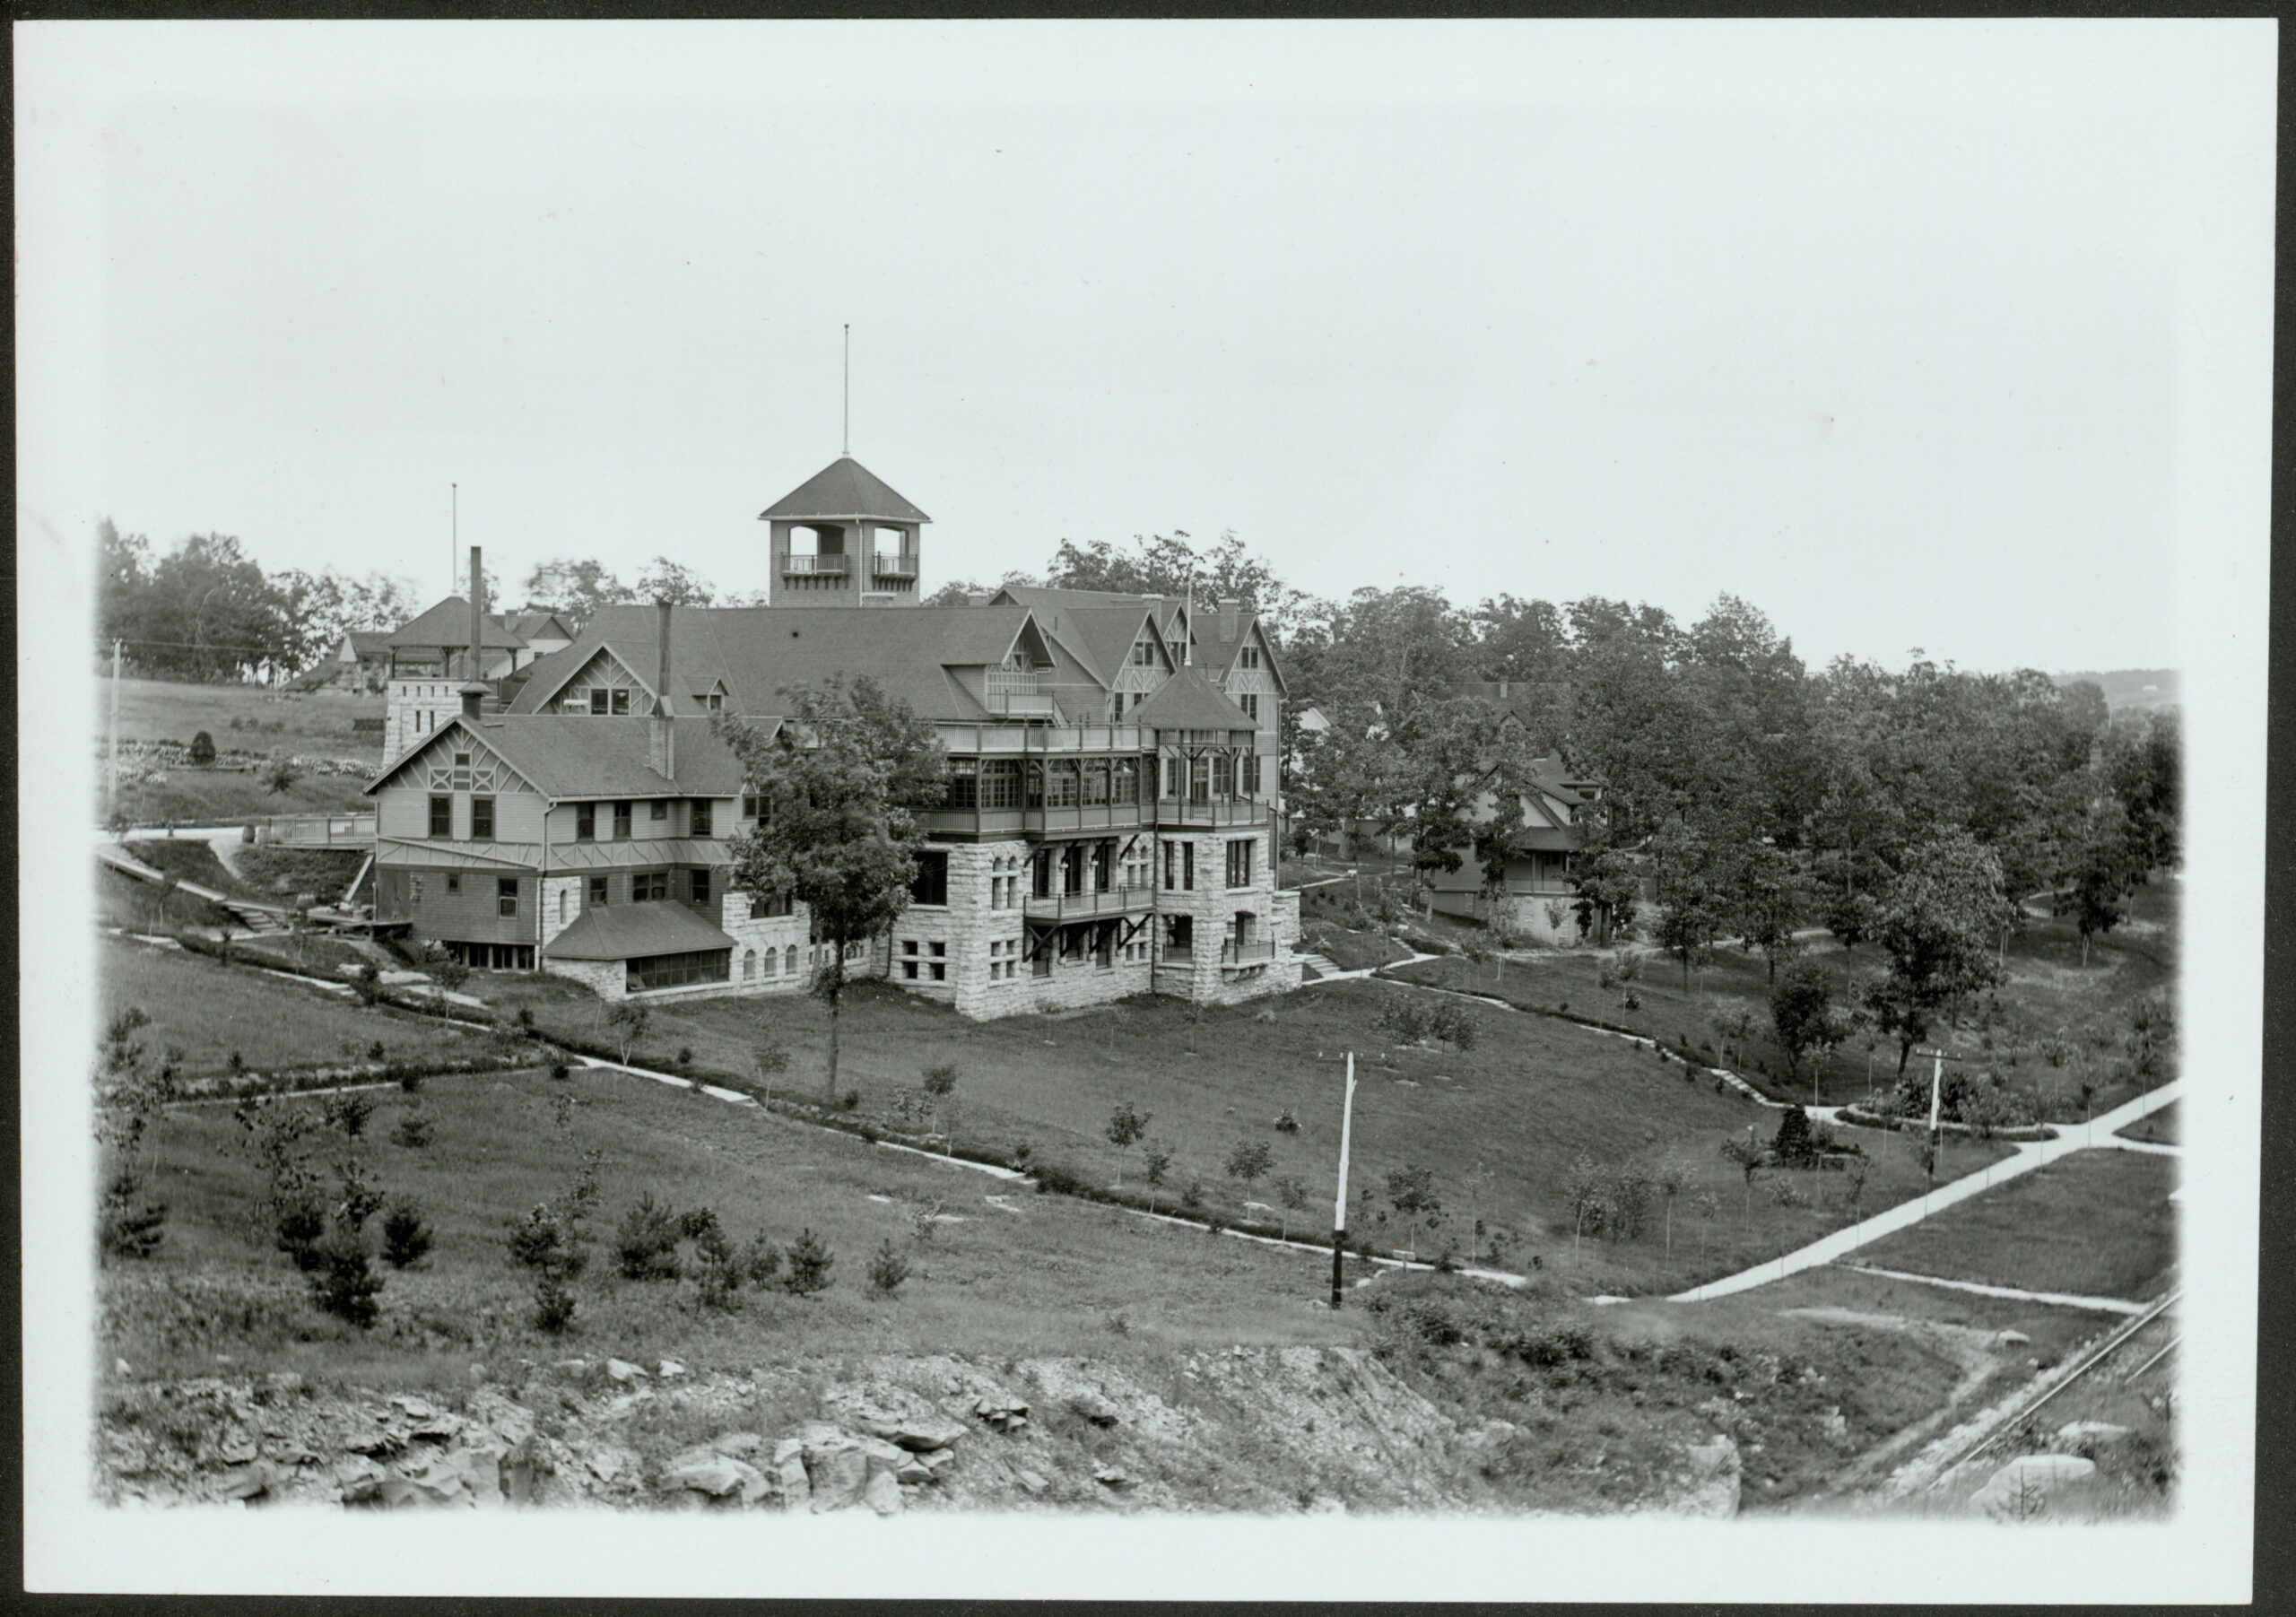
x=2030 y=1155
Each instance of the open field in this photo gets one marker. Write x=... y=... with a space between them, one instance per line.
x=1499 y=1127
x=2047 y=990
x=2098 y=1223
x=315 y=723
x=210 y=1011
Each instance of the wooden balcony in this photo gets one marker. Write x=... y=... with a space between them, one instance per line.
x=1175 y=811
x=1089 y=905
x=1008 y=692
x=814 y=565
x=887 y=566
x=1239 y=955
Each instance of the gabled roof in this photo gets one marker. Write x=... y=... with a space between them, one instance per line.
x=1101 y=636
x=843 y=488
x=1188 y=700
x=369 y=642
x=623 y=932
x=758 y=652
x=567 y=756
x=538 y=625
x=448 y=624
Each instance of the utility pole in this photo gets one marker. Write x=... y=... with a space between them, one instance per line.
x=113 y=759
x=1339 y=1206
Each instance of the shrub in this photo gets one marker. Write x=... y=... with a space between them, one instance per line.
x=413 y=1130
x=1794 y=1144
x=349 y=1112
x=369 y=983
x=559 y=1071
x=760 y=1260
x=718 y=1271
x=887 y=1269
x=375 y=1051
x=646 y=1242
x=685 y=1055
x=203 y=747
x=810 y=1262
x=279 y=774
x=850 y=1100
x=1456 y=1024
x=405 y=1237
x=452 y=973
x=1634 y=1001
x=1286 y=1124
x=553 y=1304
x=344 y=1284
x=129 y=1228
x=298 y=1224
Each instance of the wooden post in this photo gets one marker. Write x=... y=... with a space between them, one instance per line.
x=1339 y=1205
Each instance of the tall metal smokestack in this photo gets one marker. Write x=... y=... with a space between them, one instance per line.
x=664 y=741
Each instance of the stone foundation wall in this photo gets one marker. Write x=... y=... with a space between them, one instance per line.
x=608 y=979
x=773 y=935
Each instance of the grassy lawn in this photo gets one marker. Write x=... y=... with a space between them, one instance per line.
x=1022 y=1273
x=2156 y=1128
x=209 y=1010
x=2098 y=1223
x=2047 y=990
x=267 y=876
x=1499 y=1125
x=315 y=723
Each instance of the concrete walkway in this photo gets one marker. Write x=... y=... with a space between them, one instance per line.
x=2062 y=1300
x=2029 y=1155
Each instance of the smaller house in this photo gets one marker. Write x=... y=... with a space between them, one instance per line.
x=1533 y=893
x=543 y=632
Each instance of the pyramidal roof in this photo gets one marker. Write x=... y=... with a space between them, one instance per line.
x=1190 y=701
x=843 y=488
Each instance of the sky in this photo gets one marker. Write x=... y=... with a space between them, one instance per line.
x=1876 y=327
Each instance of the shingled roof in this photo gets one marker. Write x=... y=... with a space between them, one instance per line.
x=626 y=932
x=758 y=652
x=1190 y=701
x=567 y=756
x=1101 y=636
x=843 y=488
x=448 y=624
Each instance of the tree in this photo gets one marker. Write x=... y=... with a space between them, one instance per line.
x=1604 y=887
x=1669 y=1178
x=841 y=783
x=1155 y=1162
x=1125 y=1126
x=1291 y=1194
x=577 y=588
x=1690 y=891
x=1248 y=1162
x=2103 y=869
x=940 y=1082
x=1748 y=1154
x=1793 y=1145
x=1937 y=927
x=1411 y=1192
x=1801 y=1013
x=664 y=580
x=1764 y=905
x=628 y=1018
x=203 y=750
x=1582 y=1193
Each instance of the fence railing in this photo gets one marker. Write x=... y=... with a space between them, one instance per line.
x=812 y=564
x=1086 y=905
x=1247 y=955
x=314 y=831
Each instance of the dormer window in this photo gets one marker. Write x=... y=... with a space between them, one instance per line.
x=1248 y=658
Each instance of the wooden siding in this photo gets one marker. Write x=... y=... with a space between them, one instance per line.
x=405 y=812
x=469 y=916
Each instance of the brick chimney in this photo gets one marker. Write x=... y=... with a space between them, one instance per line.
x=1231 y=608
x=471 y=691
x=663 y=747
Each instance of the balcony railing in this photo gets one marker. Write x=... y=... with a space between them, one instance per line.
x=1232 y=953
x=1086 y=905
x=893 y=567
x=1008 y=691
x=817 y=565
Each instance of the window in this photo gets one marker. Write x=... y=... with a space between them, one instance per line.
x=1250 y=705
x=621 y=821
x=597 y=892
x=1060 y=785
x=1036 y=785
x=585 y=823
x=1000 y=784
x=561 y=906
x=931 y=884
x=454 y=881
x=789 y=959
x=1188 y=865
x=753 y=806
x=506 y=895
x=1199 y=780
x=702 y=818
x=1239 y=863
x=1172 y=776
x=1126 y=789
x=647 y=885
x=772 y=959
x=779 y=904
x=1096 y=782
x=598 y=701
x=622 y=703
x=1251 y=775
x=1171 y=867
x=442 y=815
x=964 y=783
x=657 y=808
x=1071 y=869
x=1223 y=776
x=481 y=819
x=1104 y=865
x=1143 y=653
x=1248 y=658
x=700 y=887
x=1042 y=867
x=749 y=964
x=675 y=971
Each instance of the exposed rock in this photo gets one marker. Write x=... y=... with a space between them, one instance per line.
x=251 y=1482
x=2012 y=1338
x=704 y=1469
x=622 y=1370
x=1034 y=1483
x=1711 y=1486
x=882 y=1494
x=527 y=1462
x=1836 y=1426
x=1093 y=1407
x=912 y=1470
x=2086 y=1437
x=937 y=1460
x=917 y=1432
x=2031 y=1476
x=741 y=1445
x=358 y=1479
x=1112 y=1476
x=670 y=1370
x=283 y=1384
x=837 y=1468
x=1002 y=1410
x=790 y=1472
x=237 y=1448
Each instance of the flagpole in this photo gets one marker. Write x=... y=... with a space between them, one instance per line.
x=1339 y=1206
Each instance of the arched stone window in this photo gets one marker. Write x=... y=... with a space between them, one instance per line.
x=749 y=962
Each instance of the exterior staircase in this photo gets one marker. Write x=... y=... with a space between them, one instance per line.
x=1319 y=965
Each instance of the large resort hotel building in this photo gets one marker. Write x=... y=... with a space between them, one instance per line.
x=1111 y=825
